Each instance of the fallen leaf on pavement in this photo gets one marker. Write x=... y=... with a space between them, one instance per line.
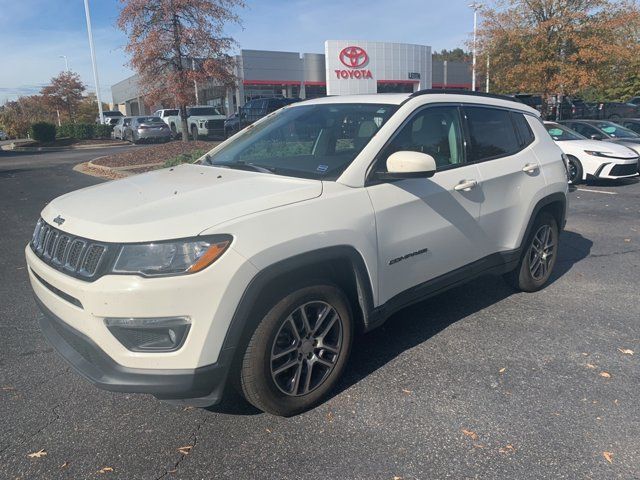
x=187 y=408
x=64 y=465
x=38 y=454
x=330 y=417
x=267 y=430
x=8 y=388
x=507 y=449
x=590 y=365
x=397 y=478
x=501 y=370
x=105 y=470
x=608 y=456
x=478 y=445
x=404 y=390
x=626 y=351
x=185 y=450
x=627 y=240
x=605 y=374
x=471 y=434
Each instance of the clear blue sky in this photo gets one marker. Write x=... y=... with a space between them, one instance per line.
x=35 y=32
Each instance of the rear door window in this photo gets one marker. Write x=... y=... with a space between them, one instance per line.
x=491 y=133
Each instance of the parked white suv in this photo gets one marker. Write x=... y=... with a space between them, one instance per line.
x=256 y=266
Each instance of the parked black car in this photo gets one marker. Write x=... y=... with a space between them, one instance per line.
x=631 y=124
x=254 y=110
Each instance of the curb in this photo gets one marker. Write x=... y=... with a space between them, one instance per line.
x=63 y=149
x=109 y=173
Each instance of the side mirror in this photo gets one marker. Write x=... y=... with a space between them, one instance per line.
x=407 y=164
x=596 y=136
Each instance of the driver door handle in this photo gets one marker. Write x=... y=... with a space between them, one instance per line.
x=530 y=168
x=465 y=185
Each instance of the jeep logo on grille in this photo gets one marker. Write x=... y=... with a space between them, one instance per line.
x=59 y=220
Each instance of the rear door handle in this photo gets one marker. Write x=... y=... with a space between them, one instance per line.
x=465 y=185
x=530 y=168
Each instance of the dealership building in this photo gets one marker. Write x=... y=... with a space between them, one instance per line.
x=346 y=67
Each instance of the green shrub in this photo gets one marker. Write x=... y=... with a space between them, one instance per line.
x=188 y=157
x=43 y=132
x=103 y=131
x=65 y=130
x=84 y=131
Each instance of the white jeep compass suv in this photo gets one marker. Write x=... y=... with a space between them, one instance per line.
x=256 y=266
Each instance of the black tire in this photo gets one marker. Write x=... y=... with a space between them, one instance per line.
x=575 y=170
x=260 y=382
x=194 y=133
x=522 y=278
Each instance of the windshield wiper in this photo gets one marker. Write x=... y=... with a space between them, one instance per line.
x=252 y=167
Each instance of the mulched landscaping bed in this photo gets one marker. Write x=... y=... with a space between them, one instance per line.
x=152 y=154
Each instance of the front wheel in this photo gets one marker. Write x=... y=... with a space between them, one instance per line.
x=539 y=256
x=575 y=170
x=298 y=352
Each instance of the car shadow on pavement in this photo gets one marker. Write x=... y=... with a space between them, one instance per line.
x=622 y=182
x=418 y=323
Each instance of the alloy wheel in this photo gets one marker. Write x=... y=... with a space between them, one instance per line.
x=541 y=252
x=306 y=348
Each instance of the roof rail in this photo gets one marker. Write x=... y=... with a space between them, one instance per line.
x=433 y=91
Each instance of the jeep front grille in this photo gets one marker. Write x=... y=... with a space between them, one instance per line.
x=76 y=256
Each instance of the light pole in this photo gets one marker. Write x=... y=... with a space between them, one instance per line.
x=93 y=58
x=475 y=6
x=66 y=62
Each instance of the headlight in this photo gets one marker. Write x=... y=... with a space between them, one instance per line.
x=171 y=258
x=600 y=154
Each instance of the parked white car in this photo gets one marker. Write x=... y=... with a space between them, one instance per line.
x=256 y=266
x=593 y=158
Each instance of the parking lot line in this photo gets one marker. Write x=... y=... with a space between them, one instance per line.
x=597 y=191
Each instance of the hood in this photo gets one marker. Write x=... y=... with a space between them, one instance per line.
x=579 y=146
x=173 y=203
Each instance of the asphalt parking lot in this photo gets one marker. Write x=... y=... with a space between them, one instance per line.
x=479 y=382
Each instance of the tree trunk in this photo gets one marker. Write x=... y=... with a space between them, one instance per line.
x=184 y=125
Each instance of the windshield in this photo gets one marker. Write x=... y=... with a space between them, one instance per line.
x=560 y=133
x=309 y=141
x=203 y=111
x=616 y=131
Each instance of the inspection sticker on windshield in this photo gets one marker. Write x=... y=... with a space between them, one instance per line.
x=322 y=168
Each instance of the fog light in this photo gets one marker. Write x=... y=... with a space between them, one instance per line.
x=162 y=334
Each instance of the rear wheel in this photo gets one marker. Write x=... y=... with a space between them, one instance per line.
x=298 y=351
x=539 y=256
x=575 y=170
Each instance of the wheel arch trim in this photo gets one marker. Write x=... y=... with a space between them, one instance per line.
x=241 y=323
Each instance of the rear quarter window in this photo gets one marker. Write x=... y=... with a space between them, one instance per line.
x=523 y=129
x=491 y=132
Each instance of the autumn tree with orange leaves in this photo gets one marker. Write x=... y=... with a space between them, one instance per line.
x=559 y=46
x=164 y=36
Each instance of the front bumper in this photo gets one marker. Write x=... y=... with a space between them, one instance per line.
x=618 y=169
x=96 y=366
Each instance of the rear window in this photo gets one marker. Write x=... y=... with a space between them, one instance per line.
x=112 y=114
x=170 y=113
x=491 y=132
x=150 y=120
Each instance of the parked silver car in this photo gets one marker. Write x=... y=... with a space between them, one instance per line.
x=143 y=128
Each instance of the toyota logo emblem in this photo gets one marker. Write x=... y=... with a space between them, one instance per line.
x=353 y=57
